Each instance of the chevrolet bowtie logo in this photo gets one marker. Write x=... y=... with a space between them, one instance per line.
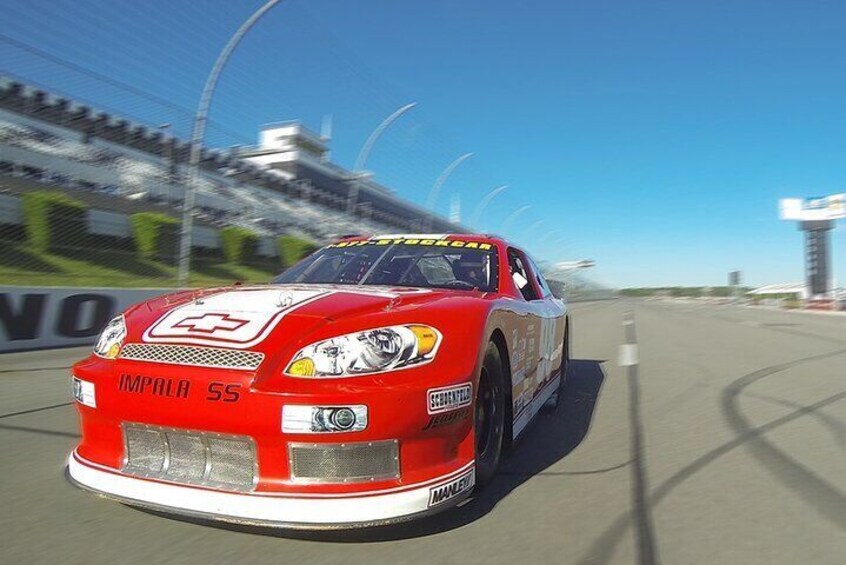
x=211 y=323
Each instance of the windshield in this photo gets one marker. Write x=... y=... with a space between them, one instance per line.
x=416 y=263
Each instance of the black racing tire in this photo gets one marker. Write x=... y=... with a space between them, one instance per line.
x=489 y=416
x=565 y=358
x=555 y=399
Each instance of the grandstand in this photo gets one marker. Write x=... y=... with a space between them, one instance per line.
x=284 y=185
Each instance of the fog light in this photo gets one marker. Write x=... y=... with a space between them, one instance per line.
x=83 y=392
x=343 y=418
x=298 y=419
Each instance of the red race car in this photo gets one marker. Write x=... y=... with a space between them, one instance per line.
x=379 y=379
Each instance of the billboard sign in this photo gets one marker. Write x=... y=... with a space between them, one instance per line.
x=47 y=317
x=813 y=209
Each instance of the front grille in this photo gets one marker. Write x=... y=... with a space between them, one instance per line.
x=343 y=462
x=195 y=458
x=191 y=355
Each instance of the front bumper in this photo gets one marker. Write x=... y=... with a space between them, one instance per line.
x=435 y=451
x=361 y=509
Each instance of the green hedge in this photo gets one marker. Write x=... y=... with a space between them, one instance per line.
x=54 y=222
x=240 y=245
x=156 y=236
x=292 y=249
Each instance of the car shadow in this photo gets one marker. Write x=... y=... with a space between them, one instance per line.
x=552 y=436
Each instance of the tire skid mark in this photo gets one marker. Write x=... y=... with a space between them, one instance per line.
x=784 y=330
x=558 y=473
x=716 y=315
x=820 y=495
x=605 y=544
x=28 y=429
x=34 y=369
x=33 y=410
x=837 y=427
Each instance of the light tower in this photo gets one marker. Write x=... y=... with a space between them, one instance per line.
x=816 y=217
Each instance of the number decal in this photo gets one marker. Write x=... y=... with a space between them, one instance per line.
x=546 y=354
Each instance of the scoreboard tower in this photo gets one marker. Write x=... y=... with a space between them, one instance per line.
x=816 y=217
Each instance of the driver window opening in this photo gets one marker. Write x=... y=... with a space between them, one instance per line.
x=521 y=276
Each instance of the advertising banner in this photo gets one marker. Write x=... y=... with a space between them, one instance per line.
x=47 y=317
x=813 y=209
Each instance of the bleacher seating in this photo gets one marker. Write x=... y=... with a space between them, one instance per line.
x=49 y=155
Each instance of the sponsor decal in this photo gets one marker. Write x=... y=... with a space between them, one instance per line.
x=447 y=491
x=423 y=242
x=449 y=398
x=519 y=404
x=446 y=418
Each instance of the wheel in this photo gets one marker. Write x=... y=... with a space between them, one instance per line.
x=552 y=402
x=565 y=358
x=489 y=419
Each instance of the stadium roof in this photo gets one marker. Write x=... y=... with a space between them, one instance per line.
x=788 y=288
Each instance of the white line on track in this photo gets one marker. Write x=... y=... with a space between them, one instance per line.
x=628 y=355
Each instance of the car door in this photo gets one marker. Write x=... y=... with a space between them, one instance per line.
x=527 y=339
x=550 y=313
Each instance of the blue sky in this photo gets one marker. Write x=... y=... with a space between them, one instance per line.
x=655 y=136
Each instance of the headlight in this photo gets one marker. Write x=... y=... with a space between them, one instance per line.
x=111 y=338
x=370 y=351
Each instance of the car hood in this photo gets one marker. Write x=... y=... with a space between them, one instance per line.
x=250 y=317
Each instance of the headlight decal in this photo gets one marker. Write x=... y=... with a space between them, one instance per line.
x=111 y=338
x=367 y=352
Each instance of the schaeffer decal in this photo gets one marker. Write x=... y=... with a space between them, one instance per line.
x=448 y=398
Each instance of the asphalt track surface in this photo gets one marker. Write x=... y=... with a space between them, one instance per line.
x=720 y=439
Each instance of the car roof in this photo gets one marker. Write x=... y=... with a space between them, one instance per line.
x=448 y=236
